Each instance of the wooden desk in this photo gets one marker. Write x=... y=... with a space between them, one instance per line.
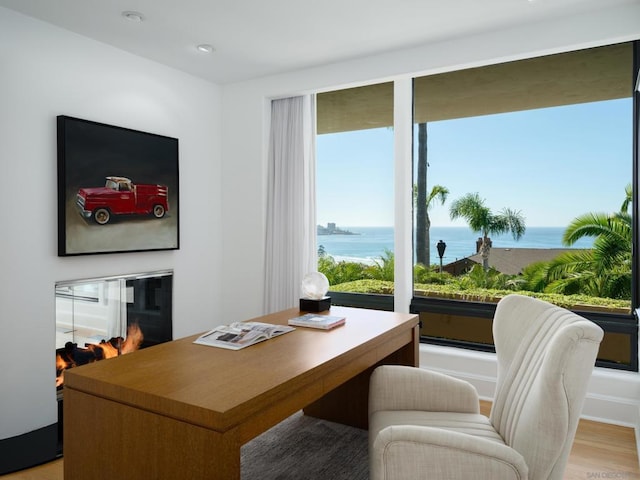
x=181 y=410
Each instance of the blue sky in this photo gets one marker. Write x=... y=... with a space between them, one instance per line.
x=551 y=164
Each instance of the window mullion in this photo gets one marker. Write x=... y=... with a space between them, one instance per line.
x=403 y=245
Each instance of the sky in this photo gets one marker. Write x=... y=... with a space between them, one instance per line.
x=551 y=164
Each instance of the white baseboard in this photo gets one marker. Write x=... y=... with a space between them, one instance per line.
x=613 y=396
x=638 y=434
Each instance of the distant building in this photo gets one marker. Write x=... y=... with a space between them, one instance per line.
x=510 y=261
x=331 y=229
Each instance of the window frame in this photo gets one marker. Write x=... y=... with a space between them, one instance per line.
x=626 y=324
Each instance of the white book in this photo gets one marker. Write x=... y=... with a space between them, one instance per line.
x=314 y=320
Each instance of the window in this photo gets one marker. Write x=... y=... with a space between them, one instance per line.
x=355 y=193
x=523 y=175
x=538 y=145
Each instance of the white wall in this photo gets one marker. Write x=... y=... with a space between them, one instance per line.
x=45 y=72
x=245 y=113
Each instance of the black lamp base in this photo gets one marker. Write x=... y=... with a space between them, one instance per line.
x=309 y=305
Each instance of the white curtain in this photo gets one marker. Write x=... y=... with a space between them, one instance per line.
x=291 y=201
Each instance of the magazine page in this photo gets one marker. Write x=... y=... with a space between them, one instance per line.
x=240 y=334
x=268 y=329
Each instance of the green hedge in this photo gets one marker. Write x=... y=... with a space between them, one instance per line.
x=576 y=302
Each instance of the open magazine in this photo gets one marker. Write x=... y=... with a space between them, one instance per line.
x=241 y=334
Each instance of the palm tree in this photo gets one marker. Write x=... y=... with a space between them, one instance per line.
x=423 y=201
x=628 y=198
x=480 y=219
x=603 y=271
x=423 y=238
x=420 y=198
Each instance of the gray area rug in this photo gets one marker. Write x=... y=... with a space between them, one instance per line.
x=306 y=448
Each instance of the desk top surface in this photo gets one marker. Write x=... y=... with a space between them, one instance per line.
x=216 y=387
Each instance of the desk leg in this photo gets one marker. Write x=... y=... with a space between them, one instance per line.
x=349 y=403
x=104 y=439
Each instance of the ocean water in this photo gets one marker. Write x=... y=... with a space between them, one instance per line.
x=370 y=243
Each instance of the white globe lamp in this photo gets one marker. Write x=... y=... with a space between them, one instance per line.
x=314 y=288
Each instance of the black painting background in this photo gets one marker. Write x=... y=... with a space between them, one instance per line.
x=94 y=151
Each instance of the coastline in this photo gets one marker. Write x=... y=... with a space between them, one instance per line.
x=370 y=243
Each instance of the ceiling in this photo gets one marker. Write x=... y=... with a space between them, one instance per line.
x=255 y=38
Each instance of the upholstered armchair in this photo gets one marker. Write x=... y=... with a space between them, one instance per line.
x=424 y=424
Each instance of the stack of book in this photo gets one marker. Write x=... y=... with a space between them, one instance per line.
x=314 y=320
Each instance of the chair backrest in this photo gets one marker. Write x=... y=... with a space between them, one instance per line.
x=545 y=357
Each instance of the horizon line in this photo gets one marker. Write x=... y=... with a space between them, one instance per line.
x=432 y=226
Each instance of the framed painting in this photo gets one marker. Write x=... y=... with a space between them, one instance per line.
x=117 y=189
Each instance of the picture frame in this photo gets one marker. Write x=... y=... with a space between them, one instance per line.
x=118 y=189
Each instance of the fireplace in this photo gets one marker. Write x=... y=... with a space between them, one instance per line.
x=98 y=319
x=95 y=319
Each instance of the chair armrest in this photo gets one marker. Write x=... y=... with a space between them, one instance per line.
x=396 y=387
x=407 y=452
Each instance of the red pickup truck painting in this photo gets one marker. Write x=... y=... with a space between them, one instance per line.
x=120 y=196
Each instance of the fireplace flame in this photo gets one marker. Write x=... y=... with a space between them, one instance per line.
x=73 y=356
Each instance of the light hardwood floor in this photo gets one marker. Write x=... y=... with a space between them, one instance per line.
x=600 y=451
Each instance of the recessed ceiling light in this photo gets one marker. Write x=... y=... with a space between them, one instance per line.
x=133 y=16
x=205 y=47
